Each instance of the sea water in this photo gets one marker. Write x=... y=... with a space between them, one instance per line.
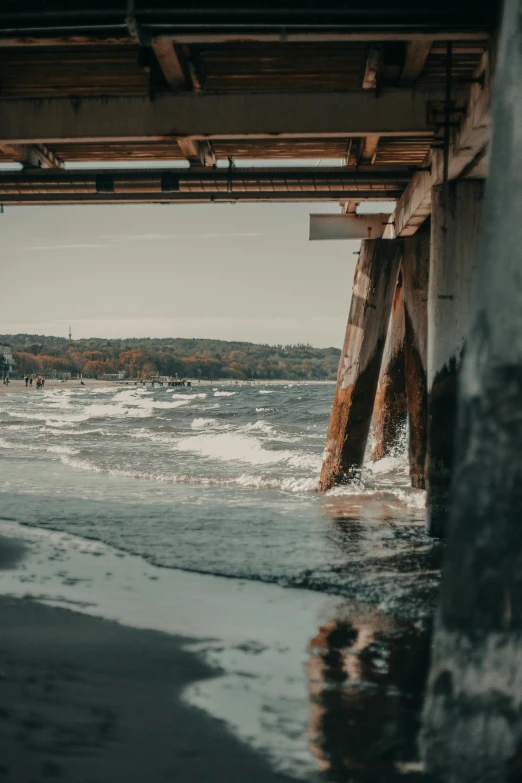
x=204 y=504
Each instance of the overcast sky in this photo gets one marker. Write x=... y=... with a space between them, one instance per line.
x=227 y=271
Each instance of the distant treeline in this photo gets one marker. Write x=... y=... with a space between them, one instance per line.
x=144 y=357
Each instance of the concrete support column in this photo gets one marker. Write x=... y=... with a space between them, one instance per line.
x=454 y=247
x=473 y=712
x=389 y=412
x=415 y=274
x=373 y=291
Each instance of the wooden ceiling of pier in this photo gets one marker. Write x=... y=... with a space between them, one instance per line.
x=52 y=51
x=32 y=72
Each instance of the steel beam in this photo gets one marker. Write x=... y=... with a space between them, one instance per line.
x=59 y=186
x=393 y=112
x=157 y=197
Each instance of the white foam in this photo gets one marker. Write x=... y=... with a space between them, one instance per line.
x=255 y=635
x=247 y=481
x=202 y=423
x=260 y=426
x=265 y=391
x=22 y=447
x=83 y=464
x=49 y=417
x=233 y=446
x=224 y=394
x=61 y=450
x=230 y=446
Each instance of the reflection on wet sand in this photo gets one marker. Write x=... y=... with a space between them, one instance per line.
x=367 y=666
x=366 y=679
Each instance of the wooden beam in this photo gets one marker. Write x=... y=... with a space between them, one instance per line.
x=468 y=142
x=389 y=411
x=169 y=62
x=41 y=156
x=359 y=366
x=33 y=155
x=213 y=115
x=195 y=78
x=206 y=153
x=189 y=148
x=372 y=72
x=354 y=151
x=416 y=55
x=415 y=267
x=197 y=151
x=369 y=149
x=17 y=152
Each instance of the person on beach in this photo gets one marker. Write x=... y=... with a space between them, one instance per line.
x=42 y=382
x=31 y=381
x=26 y=379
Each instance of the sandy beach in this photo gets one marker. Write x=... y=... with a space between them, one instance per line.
x=16 y=386
x=84 y=700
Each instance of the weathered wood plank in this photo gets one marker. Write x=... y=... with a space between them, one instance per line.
x=369 y=149
x=169 y=62
x=416 y=55
x=373 y=291
x=415 y=274
x=389 y=412
x=372 y=71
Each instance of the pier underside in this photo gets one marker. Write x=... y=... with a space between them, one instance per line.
x=344 y=102
x=360 y=89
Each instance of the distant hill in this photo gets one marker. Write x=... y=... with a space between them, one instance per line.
x=191 y=358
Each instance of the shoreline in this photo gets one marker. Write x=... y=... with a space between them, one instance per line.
x=86 y=699
x=211 y=678
x=18 y=386
x=256 y=686
x=83 y=698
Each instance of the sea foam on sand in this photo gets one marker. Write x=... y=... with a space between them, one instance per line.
x=256 y=634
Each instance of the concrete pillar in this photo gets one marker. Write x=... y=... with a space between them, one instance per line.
x=473 y=711
x=373 y=290
x=454 y=247
x=415 y=273
x=389 y=412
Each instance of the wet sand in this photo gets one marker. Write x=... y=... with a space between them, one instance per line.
x=85 y=700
